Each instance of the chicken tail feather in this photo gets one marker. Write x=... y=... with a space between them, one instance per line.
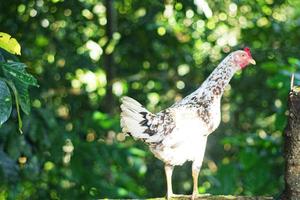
x=134 y=118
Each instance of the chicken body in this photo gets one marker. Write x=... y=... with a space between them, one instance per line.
x=179 y=133
x=187 y=141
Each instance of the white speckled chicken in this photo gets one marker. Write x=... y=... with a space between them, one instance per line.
x=179 y=133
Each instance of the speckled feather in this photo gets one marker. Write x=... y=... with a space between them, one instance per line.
x=179 y=133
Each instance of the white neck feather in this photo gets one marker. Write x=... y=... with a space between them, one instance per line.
x=219 y=78
x=214 y=85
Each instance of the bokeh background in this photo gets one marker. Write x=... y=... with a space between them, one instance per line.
x=86 y=54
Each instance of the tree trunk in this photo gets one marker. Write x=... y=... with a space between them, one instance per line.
x=292 y=148
x=109 y=100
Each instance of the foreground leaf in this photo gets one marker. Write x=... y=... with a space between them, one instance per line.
x=9 y=44
x=5 y=102
x=21 y=88
x=24 y=98
x=13 y=87
x=16 y=70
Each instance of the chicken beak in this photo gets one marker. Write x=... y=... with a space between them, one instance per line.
x=252 y=61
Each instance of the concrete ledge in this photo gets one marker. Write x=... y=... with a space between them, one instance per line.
x=215 y=197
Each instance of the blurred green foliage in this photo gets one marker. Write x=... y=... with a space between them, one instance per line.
x=72 y=147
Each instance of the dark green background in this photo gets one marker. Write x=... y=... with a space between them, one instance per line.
x=72 y=147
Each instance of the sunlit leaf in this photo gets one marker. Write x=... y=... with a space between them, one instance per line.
x=9 y=44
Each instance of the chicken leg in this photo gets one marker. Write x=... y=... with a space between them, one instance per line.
x=169 y=171
x=195 y=174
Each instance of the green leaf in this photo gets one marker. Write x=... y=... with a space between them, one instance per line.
x=9 y=44
x=24 y=98
x=294 y=61
x=13 y=87
x=21 y=88
x=5 y=102
x=17 y=71
x=17 y=65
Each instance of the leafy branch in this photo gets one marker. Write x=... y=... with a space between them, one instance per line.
x=13 y=77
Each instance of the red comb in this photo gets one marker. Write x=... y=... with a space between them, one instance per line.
x=247 y=49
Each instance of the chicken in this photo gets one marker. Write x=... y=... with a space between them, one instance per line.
x=179 y=133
